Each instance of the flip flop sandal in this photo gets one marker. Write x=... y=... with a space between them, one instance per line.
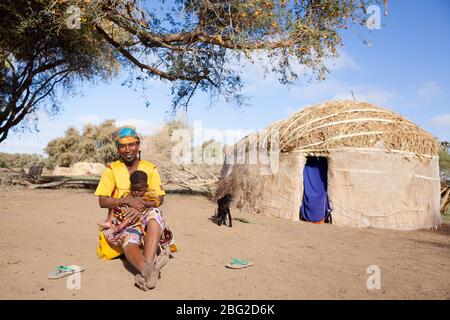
x=63 y=271
x=239 y=264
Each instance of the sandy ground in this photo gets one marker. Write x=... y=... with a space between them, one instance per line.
x=293 y=260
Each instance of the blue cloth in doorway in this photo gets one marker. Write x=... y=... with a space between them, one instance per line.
x=315 y=203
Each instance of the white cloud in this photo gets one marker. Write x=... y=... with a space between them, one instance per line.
x=256 y=78
x=30 y=141
x=202 y=134
x=319 y=91
x=49 y=123
x=343 y=62
x=371 y=94
x=89 y=119
x=428 y=90
x=442 y=120
x=18 y=146
x=143 y=127
x=33 y=142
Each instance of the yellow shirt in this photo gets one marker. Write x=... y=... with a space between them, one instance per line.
x=115 y=179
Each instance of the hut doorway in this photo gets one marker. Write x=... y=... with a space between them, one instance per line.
x=315 y=205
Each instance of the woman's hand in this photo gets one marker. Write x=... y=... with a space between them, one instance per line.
x=125 y=223
x=132 y=215
x=136 y=203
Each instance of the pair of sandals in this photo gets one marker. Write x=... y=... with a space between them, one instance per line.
x=151 y=273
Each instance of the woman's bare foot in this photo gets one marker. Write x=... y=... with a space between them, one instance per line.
x=162 y=260
x=153 y=272
x=140 y=278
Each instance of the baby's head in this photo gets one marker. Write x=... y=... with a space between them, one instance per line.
x=138 y=180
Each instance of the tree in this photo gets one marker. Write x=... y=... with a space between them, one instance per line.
x=38 y=55
x=94 y=144
x=194 y=44
x=105 y=148
x=19 y=160
x=65 y=151
x=444 y=158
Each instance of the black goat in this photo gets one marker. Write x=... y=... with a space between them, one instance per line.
x=223 y=210
x=36 y=171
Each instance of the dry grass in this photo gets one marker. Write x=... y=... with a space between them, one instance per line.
x=445 y=200
x=346 y=123
x=11 y=180
x=197 y=178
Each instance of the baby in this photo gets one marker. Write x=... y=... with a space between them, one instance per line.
x=117 y=229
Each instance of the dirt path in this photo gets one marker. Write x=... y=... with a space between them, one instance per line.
x=293 y=260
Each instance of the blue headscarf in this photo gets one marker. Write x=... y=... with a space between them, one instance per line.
x=125 y=132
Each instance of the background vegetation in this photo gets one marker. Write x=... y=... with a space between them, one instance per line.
x=444 y=158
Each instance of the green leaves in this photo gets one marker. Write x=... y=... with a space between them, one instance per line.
x=94 y=144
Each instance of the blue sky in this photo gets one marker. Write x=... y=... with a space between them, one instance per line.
x=406 y=68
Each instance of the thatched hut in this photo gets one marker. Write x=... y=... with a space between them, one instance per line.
x=382 y=170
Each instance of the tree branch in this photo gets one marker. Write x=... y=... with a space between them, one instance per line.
x=18 y=113
x=152 y=40
x=131 y=58
x=149 y=39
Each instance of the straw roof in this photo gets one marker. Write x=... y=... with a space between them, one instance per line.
x=346 y=123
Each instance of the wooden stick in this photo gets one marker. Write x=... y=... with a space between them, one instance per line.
x=444 y=201
x=47 y=185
